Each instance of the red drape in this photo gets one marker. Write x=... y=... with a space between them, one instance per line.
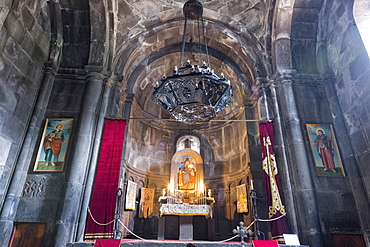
x=103 y=200
x=273 y=191
x=107 y=243
x=264 y=243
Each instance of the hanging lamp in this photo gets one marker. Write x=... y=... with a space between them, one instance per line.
x=193 y=93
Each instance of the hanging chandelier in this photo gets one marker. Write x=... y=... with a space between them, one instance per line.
x=193 y=93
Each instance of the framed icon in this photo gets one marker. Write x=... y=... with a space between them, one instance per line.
x=325 y=150
x=54 y=144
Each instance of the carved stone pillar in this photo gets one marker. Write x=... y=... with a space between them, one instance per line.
x=298 y=163
x=14 y=193
x=87 y=138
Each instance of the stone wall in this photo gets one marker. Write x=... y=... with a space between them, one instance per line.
x=349 y=100
x=341 y=98
x=351 y=69
x=24 y=48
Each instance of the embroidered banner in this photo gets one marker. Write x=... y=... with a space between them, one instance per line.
x=104 y=196
x=183 y=209
x=146 y=203
x=242 y=202
x=130 y=195
x=273 y=194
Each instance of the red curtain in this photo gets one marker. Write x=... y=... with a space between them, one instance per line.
x=104 y=195
x=273 y=191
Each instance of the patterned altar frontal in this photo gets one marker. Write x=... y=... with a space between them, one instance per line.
x=187 y=210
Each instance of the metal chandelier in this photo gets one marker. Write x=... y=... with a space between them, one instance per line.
x=193 y=93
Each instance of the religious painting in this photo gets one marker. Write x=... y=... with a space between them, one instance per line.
x=186 y=175
x=146 y=202
x=242 y=201
x=54 y=144
x=130 y=195
x=325 y=150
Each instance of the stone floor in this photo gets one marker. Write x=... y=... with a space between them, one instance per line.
x=168 y=243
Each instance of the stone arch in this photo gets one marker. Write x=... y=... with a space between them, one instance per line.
x=231 y=209
x=281 y=35
x=152 y=186
x=244 y=41
x=101 y=36
x=138 y=59
x=141 y=183
x=56 y=29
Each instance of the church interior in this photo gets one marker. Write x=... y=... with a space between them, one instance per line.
x=184 y=120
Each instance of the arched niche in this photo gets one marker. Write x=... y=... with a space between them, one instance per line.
x=192 y=141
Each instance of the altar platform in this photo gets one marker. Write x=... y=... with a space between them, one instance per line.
x=174 y=243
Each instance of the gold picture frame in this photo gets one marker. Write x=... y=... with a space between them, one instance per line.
x=54 y=144
x=324 y=150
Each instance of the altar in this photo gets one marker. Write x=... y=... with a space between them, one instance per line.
x=185 y=212
x=186 y=195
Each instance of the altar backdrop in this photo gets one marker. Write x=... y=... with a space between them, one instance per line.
x=272 y=184
x=104 y=195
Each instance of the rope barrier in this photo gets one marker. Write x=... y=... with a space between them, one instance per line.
x=267 y=220
x=223 y=241
x=101 y=224
x=156 y=241
x=134 y=233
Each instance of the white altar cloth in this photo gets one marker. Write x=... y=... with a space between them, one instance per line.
x=186 y=210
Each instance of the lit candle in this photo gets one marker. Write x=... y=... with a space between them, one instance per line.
x=252 y=188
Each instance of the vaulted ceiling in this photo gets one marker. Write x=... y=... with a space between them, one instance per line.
x=140 y=41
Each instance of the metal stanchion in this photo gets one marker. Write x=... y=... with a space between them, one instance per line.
x=257 y=233
x=117 y=234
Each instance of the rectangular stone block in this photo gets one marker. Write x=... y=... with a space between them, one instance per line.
x=14 y=27
x=306 y=30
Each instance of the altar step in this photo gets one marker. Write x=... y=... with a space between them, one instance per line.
x=174 y=243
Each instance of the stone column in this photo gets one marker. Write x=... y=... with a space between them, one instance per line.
x=108 y=91
x=298 y=165
x=265 y=106
x=283 y=162
x=20 y=173
x=83 y=158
